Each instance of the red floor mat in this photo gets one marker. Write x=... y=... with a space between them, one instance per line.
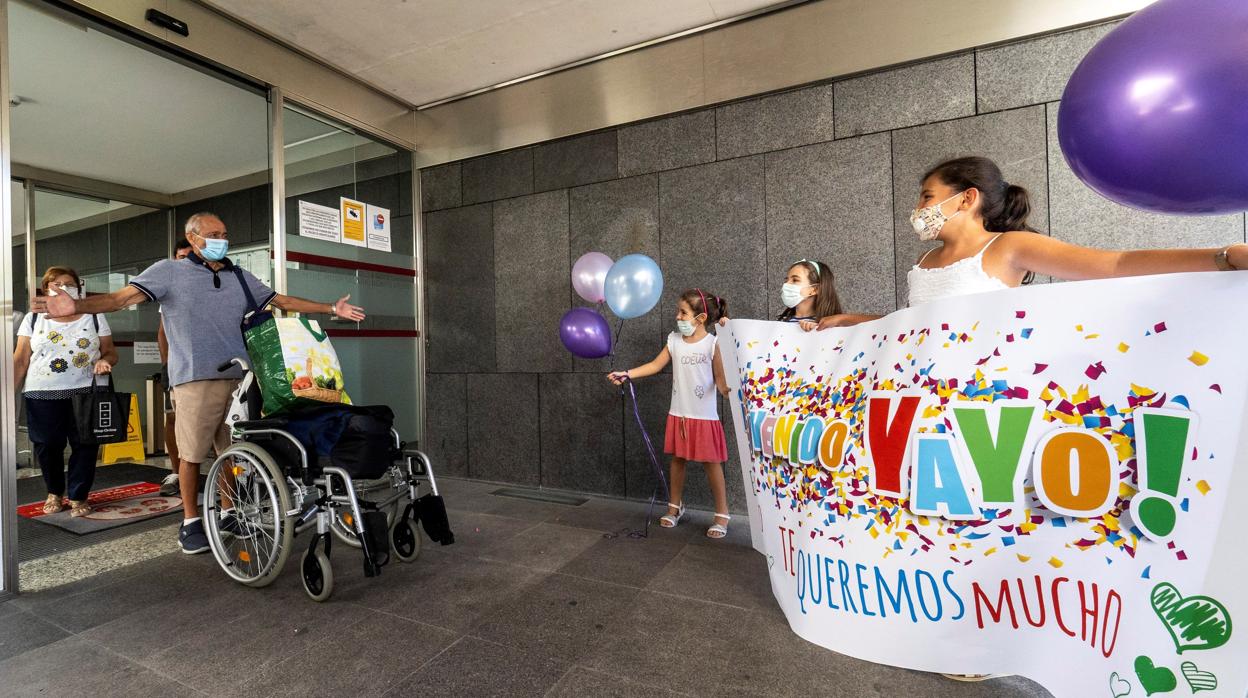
x=111 y=494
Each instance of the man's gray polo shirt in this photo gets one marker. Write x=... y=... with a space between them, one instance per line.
x=202 y=310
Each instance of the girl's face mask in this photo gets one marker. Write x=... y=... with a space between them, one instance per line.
x=928 y=221
x=686 y=328
x=791 y=294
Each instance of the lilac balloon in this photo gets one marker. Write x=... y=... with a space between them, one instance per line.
x=589 y=275
x=1156 y=115
x=585 y=333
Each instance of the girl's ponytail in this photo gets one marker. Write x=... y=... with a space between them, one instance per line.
x=1015 y=207
x=721 y=310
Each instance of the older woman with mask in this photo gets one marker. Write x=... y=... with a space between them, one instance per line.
x=56 y=359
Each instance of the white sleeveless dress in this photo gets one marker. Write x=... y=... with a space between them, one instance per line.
x=958 y=279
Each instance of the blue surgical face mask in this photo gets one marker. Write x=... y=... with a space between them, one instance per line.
x=214 y=250
x=685 y=328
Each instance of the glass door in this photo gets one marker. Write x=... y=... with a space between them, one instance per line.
x=107 y=242
x=349 y=231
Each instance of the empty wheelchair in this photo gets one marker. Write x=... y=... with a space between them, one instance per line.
x=274 y=483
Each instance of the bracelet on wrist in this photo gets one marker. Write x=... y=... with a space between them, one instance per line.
x=1222 y=259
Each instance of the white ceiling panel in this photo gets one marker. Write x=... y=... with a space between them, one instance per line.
x=426 y=50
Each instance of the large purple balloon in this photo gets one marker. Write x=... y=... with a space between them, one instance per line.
x=585 y=333
x=589 y=274
x=1156 y=115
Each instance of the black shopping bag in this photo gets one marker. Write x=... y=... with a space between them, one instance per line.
x=102 y=415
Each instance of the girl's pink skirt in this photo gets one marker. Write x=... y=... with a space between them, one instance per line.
x=699 y=440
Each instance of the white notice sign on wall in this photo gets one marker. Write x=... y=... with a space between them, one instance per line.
x=320 y=222
x=146 y=353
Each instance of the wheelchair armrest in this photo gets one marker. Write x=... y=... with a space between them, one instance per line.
x=269 y=423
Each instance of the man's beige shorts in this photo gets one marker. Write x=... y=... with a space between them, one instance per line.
x=202 y=406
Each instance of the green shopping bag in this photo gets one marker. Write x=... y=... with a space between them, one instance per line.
x=295 y=364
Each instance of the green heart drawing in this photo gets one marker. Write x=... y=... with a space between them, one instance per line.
x=1154 y=679
x=1119 y=686
x=1195 y=622
x=1197 y=679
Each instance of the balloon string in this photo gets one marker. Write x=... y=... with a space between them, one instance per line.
x=619 y=329
x=645 y=437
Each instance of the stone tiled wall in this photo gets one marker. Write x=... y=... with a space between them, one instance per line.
x=724 y=198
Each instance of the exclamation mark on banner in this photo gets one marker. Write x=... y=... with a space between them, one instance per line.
x=1163 y=442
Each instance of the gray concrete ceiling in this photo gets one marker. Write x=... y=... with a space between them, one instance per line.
x=425 y=50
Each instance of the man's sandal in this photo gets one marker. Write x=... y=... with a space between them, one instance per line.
x=670 y=520
x=719 y=530
x=52 y=504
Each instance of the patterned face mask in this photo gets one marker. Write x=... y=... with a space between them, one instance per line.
x=928 y=221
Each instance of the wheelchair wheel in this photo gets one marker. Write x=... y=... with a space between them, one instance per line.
x=248 y=479
x=317 y=575
x=342 y=524
x=405 y=540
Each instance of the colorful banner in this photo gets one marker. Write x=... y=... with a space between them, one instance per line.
x=1027 y=482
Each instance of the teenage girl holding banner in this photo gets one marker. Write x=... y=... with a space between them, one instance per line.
x=986 y=245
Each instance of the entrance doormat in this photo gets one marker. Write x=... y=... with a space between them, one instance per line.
x=111 y=507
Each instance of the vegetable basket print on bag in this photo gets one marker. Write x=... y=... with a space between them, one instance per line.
x=295 y=364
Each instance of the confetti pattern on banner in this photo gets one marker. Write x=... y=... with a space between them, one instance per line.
x=831 y=499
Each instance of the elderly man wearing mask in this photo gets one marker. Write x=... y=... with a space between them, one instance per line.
x=202 y=303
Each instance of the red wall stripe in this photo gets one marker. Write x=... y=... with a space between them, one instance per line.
x=347 y=264
x=373 y=333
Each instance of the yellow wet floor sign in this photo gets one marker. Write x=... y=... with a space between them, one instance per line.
x=132 y=447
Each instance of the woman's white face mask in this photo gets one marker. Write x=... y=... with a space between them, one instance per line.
x=71 y=291
x=928 y=221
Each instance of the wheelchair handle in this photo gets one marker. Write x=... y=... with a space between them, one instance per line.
x=235 y=361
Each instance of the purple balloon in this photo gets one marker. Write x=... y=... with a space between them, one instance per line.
x=585 y=333
x=589 y=275
x=1156 y=115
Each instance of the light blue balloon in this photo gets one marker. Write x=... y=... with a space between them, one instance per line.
x=633 y=286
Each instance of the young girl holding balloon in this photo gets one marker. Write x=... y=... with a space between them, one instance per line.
x=980 y=221
x=694 y=432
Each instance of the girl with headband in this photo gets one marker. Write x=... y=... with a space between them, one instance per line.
x=694 y=432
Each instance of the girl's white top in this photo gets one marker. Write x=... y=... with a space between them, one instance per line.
x=693 y=377
x=958 y=279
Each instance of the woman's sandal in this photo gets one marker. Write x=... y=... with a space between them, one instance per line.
x=669 y=520
x=77 y=509
x=719 y=530
x=52 y=504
